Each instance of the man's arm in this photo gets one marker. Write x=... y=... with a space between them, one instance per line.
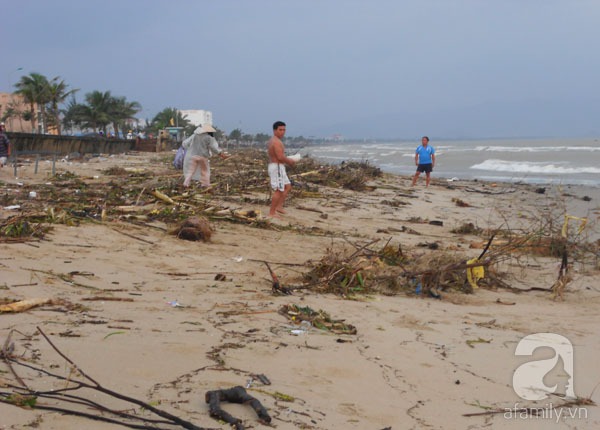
x=280 y=154
x=417 y=158
x=432 y=160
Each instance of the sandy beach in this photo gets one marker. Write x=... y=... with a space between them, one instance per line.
x=165 y=320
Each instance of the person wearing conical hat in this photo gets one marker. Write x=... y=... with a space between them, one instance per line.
x=200 y=146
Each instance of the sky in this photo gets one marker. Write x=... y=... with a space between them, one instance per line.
x=373 y=69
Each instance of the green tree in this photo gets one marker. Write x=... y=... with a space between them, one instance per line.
x=12 y=111
x=121 y=111
x=262 y=137
x=95 y=114
x=170 y=117
x=34 y=89
x=57 y=93
x=235 y=134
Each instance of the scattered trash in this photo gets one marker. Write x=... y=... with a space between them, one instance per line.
x=452 y=179
x=234 y=395
x=32 y=194
x=306 y=318
x=220 y=277
x=175 y=304
x=238 y=259
x=12 y=207
x=419 y=288
x=262 y=378
x=276 y=286
x=474 y=272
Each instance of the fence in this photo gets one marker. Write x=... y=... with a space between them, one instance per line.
x=58 y=146
x=25 y=143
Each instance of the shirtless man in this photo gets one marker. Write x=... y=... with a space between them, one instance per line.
x=280 y=182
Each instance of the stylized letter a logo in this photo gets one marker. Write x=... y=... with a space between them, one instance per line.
x=528 y=379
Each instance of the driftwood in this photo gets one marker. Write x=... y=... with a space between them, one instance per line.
x=24 y=305
x=71 y=397
x=234 y=395
x=277 y=287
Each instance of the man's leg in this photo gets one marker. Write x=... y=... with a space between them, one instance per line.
x=414 y=182
x=427 y=178
x=276 y=201
x=286 y=191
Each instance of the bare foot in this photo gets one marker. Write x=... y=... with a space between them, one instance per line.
x=281 y=211
x=276 y=216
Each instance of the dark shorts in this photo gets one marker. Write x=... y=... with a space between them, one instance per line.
x=427 y=168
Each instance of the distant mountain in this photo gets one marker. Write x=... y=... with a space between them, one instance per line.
x=533 y=118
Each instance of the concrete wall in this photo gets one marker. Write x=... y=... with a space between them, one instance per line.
x=62 y=145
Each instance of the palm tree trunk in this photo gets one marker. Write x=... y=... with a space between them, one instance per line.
x=57 y=118
x=33 y=122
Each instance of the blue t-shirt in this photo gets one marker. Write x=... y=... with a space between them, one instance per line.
x=425 y=154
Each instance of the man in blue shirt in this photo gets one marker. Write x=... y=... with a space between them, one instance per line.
x=425 y=160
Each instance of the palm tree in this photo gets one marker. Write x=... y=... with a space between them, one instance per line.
x=96 y=113
x=58 y=93
x=168 y=117
x=121 y=110
x=13 y=111
x=34 y=89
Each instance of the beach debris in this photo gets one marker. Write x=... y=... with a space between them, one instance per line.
x=564 y=277
x=175 y=304
x=502 y=302
x=23 y=228
x=277 y=288
x=475 y=272
x=472 y=342
x=194 y=228
x=262 y=378
x=162 y=196
x=23 y=305
x=534 y=411
x=565 y=229
x=318 y=319
x=81 y=390
x=460 y=203
x=467 y=228
x=236 y=394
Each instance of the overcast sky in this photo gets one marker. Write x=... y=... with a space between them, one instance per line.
x=323 y=66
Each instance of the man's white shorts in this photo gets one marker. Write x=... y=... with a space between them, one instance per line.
x=278 y=175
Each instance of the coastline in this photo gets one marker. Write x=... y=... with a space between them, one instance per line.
x=143 y=313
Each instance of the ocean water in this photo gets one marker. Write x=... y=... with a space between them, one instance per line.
x=536 y=161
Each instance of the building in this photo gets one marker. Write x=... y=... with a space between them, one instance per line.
x=197 y=117
x=12 y=110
